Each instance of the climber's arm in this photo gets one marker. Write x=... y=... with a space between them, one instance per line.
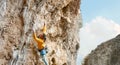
x=34 y=36
x=44 y=29
x=37 y=39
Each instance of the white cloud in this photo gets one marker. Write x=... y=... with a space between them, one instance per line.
x=97 y=31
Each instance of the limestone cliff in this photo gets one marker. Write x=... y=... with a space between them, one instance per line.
x=108 y=53
x=18 y=19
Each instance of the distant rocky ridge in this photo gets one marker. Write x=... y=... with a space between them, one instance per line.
x=108 y=53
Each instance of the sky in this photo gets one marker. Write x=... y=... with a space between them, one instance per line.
x=107 y=8
x=101 y=22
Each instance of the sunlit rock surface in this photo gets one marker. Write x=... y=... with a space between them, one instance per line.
x=18 y=19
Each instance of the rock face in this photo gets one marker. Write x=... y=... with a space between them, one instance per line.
x=108 y=53
x=18 y=19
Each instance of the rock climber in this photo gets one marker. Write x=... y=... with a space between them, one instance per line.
x=40 y=39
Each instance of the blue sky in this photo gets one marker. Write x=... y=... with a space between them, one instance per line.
x=106 y=8
x=101 y=22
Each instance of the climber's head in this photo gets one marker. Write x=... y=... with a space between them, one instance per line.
x=42 y=36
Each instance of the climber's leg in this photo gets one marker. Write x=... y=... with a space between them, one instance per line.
x=43 y=53
x=44 y=59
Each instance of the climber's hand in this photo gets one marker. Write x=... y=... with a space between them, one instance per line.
x=44 y=24
x=33 y=31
